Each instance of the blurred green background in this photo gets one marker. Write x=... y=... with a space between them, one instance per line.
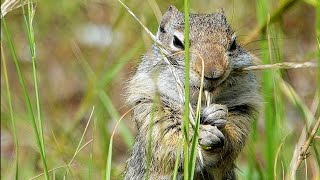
x=86 y=51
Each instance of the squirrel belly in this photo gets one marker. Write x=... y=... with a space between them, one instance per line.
x=153 y=92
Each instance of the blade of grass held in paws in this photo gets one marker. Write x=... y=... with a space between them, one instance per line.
x=195 y=137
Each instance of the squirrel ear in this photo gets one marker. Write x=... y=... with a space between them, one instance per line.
x=173 y=9
x=171 y=13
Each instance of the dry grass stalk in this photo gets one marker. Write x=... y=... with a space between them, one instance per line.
x=309 y=118
x=284 y=65
x=291 y=172
x=10 y=5
x=51 y=170
x=79 y=148
x=276 y=158
x=303 y=151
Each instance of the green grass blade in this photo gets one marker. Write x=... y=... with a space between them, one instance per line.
x=176 y=165
x=193 y=152
x=186 y=90
x=13 y=122
x=27 y=99
x=267 y=89
x=194 y=146
x=91 y=163
x=32 y=47
x=276 y=56
x=109 y=156
x=124 y=131
x=109 y=160
x=103 y=139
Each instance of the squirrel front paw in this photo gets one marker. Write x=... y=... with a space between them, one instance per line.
x=213 y=118
x=210 y=138
x=215 y=115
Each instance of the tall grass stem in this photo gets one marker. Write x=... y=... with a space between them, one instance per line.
x=186 y=90
x=27 y=99
x=32 y=47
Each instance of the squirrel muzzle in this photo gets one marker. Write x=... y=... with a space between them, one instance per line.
x=215 y=62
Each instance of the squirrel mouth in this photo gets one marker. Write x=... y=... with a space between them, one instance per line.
x=210 y=84
x=211 y=79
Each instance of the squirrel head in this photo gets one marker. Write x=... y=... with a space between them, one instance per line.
x=211 y=39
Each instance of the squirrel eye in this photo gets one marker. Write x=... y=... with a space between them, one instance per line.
x=161 y=28
x=177 y=43
x=233 y=45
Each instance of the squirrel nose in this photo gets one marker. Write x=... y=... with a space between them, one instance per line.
x=212 y=70
x=212 y=73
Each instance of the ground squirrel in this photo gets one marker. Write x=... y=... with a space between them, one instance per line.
x=225 y=123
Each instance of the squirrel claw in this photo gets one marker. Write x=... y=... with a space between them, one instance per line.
x=215 y=115
x=210 y=138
